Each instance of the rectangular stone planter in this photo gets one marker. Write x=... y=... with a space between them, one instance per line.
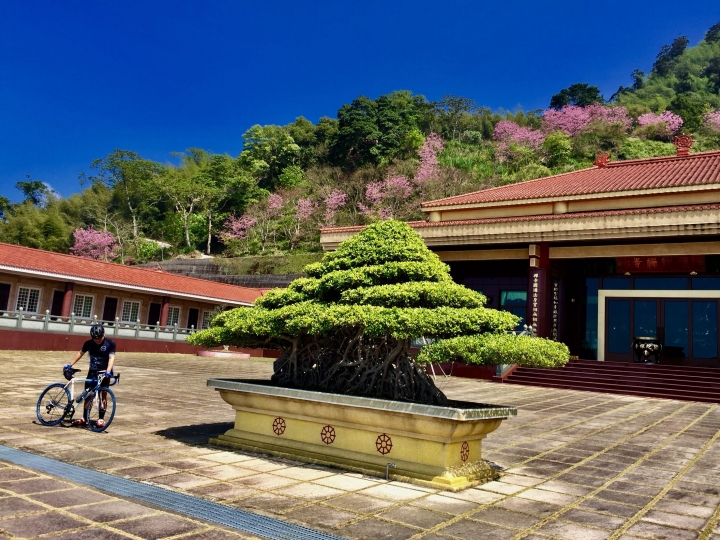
x=428 y=445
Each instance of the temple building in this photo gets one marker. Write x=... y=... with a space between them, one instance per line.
x=595 y=258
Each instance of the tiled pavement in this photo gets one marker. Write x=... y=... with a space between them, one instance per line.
x=578 y=465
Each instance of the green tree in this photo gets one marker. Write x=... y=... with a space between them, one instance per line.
x=347 y=327
x=713 y=34
x=668 y=54
x=132 y=178
x=5 y=206
x=373 y=132
x=453 y=112
x=34 y=191
x=267 y=151
x=580 y=94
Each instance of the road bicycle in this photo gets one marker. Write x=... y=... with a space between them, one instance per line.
x=57 y=403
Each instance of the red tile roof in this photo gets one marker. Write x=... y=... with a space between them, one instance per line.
x=71 y=268
x=697 y=169
x=543 y=217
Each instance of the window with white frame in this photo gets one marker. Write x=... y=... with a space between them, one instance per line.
x=130 y=311
x=173 y=316
x=207 y=317
x=82 y=306
x=28 y=299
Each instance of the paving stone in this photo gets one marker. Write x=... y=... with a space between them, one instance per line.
x=417 y=517
x=441 y=503
x=506 y=518
x=393 y=493
x=345 y=482
x=473 y=530
x=15 y=474
x=570 y=531
x=269 y=502
x=117 y=509
x=360 y=503
x=184 y=480
x=91 y=534
x=158 y=526
x=375 y=529
x=71 y=497
x=608 y=507
x=37 y=524
x=310 y=491
x=222 y=491
x=660 y=532
x=26 y=487
x=144 y=472
x=12 y=506
x=593 y=519
x=317 y=515
x=266 y=481
x=674 y=520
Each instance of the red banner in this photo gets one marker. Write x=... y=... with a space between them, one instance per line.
x=664 y=264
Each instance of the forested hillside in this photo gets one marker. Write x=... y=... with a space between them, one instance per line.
x=378 y=158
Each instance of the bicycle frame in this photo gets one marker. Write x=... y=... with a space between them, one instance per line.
x=93 y=391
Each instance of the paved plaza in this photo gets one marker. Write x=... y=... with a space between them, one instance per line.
x=577 y=465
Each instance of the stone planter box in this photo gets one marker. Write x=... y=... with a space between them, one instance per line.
x=428 y=445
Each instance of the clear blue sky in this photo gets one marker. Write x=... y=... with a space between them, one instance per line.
x=81 y=78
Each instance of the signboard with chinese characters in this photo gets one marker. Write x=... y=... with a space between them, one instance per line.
x=664 y=264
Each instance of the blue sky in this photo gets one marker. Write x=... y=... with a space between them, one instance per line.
x=80 y=79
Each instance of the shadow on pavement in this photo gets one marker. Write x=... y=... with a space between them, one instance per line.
x=197 y=433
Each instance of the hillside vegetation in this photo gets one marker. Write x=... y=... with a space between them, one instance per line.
x=377 y=159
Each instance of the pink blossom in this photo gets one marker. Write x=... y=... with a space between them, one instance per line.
x=711 y=120
x=386 y=197
x=237 y=228
x=374 y=192
x=432 y=146
x=572 y=119
x=275 y=203
x=333 y=203
x=304 y=209
x=672 y=121
x=610 y=115
x=508 y=132
x=93 y=244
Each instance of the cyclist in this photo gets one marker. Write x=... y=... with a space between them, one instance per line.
x=102 y=358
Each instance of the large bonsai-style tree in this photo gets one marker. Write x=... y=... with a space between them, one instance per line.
x=347 y=327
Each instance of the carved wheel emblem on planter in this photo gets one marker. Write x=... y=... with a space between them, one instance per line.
x=383 y=444
x=464 y=451
x=279 y=426
x=327 y=434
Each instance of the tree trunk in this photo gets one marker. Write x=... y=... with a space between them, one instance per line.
x=209 y=231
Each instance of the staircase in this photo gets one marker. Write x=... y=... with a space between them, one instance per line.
x=672 y=382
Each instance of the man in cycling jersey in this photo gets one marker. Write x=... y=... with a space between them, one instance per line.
x=102 y=358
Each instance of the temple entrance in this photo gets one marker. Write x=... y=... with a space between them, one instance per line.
x=687 y=328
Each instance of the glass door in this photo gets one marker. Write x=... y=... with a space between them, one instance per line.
x=687 y=328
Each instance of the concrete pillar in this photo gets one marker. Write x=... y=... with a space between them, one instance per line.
x=164 y=310
x=539 y=300
x=67 y=300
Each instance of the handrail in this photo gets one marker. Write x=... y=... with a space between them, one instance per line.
x=56 y=324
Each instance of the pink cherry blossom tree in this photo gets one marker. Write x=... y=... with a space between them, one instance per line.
x=92 y=244
x=711 y=120
x=237 y=229
x=333 y=202
x=387 y=198
x=428 y=153
x=672 y=122
x=572 y=119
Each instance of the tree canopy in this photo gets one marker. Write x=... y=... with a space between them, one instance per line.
x=348 y=327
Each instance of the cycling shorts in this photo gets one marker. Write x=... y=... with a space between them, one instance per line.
x=93 y=374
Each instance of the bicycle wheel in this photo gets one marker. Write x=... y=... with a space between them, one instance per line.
x=52 y=405
x=102 y=407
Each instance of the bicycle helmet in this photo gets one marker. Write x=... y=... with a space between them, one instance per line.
x=97 y=331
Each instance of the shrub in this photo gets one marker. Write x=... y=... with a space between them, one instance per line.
x=496 y=349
